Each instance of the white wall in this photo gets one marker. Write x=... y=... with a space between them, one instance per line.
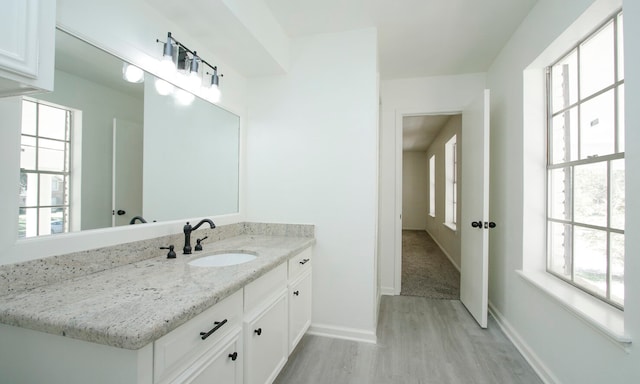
x=415 y=190
x=311 y=158
x=429 y=95
x=563 y=348
x=447 y=239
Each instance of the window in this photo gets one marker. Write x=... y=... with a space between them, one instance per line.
x=585 y=165
x=451 y=174
x=44 y=169
x=432 y=186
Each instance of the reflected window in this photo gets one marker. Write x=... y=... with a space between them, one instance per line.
x=585 y=165
x=451 y=187
x=44 y=169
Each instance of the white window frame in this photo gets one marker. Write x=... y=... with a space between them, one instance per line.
x=71 y=220
x=570 y=223
x=451 y=182
x=432 y=186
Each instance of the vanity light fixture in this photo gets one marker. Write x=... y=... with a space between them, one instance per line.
x=176 y=56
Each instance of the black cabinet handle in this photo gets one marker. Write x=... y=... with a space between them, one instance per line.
x=258 y=331
x=217 y=324
x=304 y=261
x=296 y=293
x=233 y=356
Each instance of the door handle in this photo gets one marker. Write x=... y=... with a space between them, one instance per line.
x=476 y=224
x=121 y=212
x=489 y=225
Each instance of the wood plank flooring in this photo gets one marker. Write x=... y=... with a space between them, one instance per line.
x=420 y=341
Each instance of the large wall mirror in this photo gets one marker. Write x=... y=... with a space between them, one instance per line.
x=113 y=143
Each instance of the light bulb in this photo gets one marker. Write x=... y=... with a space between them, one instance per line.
x=194 y=80
x=167 y=67
x=163 y=88
x=214 y=93
x=132 y=74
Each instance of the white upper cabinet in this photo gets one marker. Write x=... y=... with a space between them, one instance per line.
x=27 y=57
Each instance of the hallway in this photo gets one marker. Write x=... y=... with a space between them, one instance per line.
x=426 y=270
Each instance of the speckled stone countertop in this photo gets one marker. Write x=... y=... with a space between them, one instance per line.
x=132 y=305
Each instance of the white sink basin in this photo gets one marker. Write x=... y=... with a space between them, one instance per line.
x=222 y=259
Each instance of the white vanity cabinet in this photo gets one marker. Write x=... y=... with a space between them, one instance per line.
x=202 y=346
x=299 y=297
x=27 y=57
x=266 y=326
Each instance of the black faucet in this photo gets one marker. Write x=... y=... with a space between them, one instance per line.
x=186 y=250
x=133 y=221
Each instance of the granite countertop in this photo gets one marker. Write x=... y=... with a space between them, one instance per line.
x=132 y=305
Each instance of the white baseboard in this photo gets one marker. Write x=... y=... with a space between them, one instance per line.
x=343 y=333
x=413 y=229
x=387 y=291
x=538 y=366
x=444 y=251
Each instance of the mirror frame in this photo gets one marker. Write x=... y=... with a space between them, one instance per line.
x=19 y=250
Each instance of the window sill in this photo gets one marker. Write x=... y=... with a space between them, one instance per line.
x=599 y=315
x=451 y=226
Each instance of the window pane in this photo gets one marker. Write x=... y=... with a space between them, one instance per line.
x=621 y=118
x=52 y=190
x=590 y=259
x=564 y=82
x=51 y=156
x=28 y=189
x=564 y=137
x=28 y=152
x=559 y=243
x=596 y=62
x=52 y=122
x=559 y=193
x=597 y=134
x=28 y=118
x=590 y=194
x=620 y=48
x=617 y=194
x=617 y=267
x=28 y=222
x=59 y=220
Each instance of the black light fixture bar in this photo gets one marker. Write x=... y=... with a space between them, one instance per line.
x=193 y=53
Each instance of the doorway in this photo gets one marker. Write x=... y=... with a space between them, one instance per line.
x=430 y=187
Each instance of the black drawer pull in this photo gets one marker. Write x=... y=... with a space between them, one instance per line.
x=258 y=331
x=296 y=293
x=304 y=261
x=217 y=324
x=233 y=356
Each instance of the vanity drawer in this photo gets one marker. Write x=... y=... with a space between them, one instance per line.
x=178 y=349
x=256 y=292
x=300 y=263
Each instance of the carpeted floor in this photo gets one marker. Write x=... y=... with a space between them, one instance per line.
x=426 y=271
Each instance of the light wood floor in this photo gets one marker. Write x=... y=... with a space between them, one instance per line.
x=419 y=341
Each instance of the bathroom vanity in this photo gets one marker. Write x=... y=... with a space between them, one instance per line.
x=160 y=320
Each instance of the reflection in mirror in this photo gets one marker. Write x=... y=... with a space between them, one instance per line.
x=110 y=144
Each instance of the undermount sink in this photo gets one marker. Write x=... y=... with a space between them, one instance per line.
x=223 y=259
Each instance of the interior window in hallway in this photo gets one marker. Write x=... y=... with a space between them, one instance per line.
x=426 y=271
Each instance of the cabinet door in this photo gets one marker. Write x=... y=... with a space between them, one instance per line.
x=225 y=367
x=266 y=343
x=27 y=45
x=299 y=309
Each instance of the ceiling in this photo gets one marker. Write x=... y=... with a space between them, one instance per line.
x=416 y=38
x=419 y=131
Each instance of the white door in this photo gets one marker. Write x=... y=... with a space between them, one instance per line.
x=474 y=276
x=127 y=171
